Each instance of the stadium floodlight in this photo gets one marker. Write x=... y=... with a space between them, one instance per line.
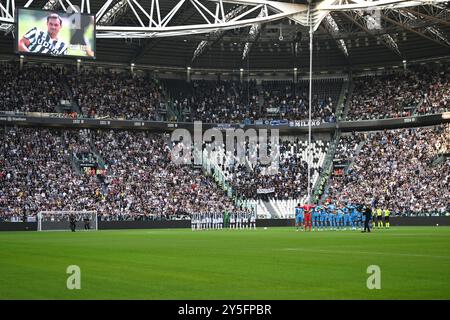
x=59 y=220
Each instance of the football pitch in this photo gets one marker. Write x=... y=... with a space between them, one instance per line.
x=277 y=263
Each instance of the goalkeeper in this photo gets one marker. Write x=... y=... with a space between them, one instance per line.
x=87 y=223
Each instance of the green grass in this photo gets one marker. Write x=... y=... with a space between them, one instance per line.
x=277 y=263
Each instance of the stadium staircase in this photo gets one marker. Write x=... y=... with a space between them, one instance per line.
x=68 y=106
x=357 y=151
x=73 y=163
x=322 y=182
x=440 y=158
x=94 y=158
x=417 y=106
x=171 y=113
x=343 y=98
x=346 y=106
x=172 y=89
x=166 y=111
x=346 y=169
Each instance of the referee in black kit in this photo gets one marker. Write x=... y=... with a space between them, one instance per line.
x=72 y=220
x=368 y=215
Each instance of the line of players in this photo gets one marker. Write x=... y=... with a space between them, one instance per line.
x=332 y=217
x=241 y=219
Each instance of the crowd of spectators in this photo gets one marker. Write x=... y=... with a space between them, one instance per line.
x=111 y=94
x=282 y=179
x=290 y=100
x=400 y=94
x=141 y=180
x=246 y=102
x=120 y=94
x=36 y=88
x=437 y=95
x=400 y=170
x=219 y=102
x=36 y=174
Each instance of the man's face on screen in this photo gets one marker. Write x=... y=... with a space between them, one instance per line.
x=53 y=25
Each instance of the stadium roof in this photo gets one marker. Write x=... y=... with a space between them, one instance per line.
x=343 y=38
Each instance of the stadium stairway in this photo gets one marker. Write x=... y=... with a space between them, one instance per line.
x=73 y=106
x=73 y=163
x=343 y=98
x=357 y=151
x=170 y=113
x=346 y=106
x=327 y=185
x=320 y=188
x=417 y=106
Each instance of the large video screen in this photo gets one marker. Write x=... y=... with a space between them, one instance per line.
x=53 y=33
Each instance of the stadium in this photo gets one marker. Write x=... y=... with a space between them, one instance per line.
x=224 y=149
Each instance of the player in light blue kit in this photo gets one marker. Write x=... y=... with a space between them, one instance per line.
x=347 y=218
x=323 y=216
x=315 y=218
x=299 y=217
x=332 y=216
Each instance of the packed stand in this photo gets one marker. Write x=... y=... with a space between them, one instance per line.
x=287 y=100
x=401 y=94
x=141 y=181
x=217 y=101
x=35 y=88
x=110 y=94
x=398 y=170
x=141 y=178
x=36 y=175
x=282 y=180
